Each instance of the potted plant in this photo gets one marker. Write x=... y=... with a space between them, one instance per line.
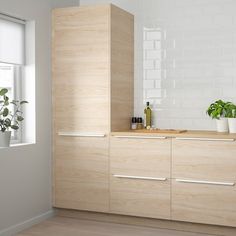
x=231 y=114
x=9 y=120
x=218 y=111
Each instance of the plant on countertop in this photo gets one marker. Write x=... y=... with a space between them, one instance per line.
x=218 y=109
x=231 y=110
x=9 y=119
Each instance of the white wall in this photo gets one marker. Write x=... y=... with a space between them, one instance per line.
x=25 y=171
x=186 y=59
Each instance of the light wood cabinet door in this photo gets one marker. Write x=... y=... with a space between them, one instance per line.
x=204 y=203
x=81 y=68
x=139 y=180
x=204 y=177
x=81 y=174
x=204 y=160
x=131 y=155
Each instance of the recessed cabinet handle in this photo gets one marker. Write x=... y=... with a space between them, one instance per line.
x=204 y=182
x=80 y=134
x=207 y=139
x=139 y=137
x=139 y=177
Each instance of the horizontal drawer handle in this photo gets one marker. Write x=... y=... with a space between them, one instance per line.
x=80 y=134
x=204 y=182
x=207 y=139
x=139 y=137
x=139 y=177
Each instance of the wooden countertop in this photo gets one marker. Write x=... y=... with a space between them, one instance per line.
x=187 y=134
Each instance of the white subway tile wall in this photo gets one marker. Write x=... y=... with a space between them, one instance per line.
x=185 y=58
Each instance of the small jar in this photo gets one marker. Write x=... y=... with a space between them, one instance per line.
x=134 y=123
x=139 y=123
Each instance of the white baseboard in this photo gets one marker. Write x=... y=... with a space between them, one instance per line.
x=26 y=224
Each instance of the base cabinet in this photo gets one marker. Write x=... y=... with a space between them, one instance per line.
x=138 y=197
x=81 y=176
x=204 y=203
x=203 y=184
x=139 y=176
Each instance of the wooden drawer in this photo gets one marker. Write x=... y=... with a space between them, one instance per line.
x=139 y=197
x=204 y=203
x=140 y=171
x=81 y=175
x=140 y=156
x=204 y=160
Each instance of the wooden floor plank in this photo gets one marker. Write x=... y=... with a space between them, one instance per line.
x=63 y=226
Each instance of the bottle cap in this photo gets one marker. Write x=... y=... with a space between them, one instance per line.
x=134 y=120
x=140 y=120
x=148 y=103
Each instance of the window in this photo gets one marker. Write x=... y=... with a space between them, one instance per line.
x=12 y=54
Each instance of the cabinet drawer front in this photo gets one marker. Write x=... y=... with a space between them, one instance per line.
x=82 y=196
x=204 y=203
x=147 y=198
x=140 y=157
x=204 y=160
x=81 y=172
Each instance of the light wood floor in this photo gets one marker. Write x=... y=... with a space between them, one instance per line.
x=63 y=226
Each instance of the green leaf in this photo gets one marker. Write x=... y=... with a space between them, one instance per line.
x=15 y=127
x=7 y=122
x=20 y=118
x=5 y=112
x=23 y=102
x=3 y=91
x=14 y=103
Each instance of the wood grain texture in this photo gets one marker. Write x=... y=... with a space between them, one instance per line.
x=188 y=134
x=81 y=173
x=141 y=157
x=148 y=158
x=146 y=198
x=150 y=222
x=122 y=68
x=207 y=204
x=62 y=226
x=204 y=160
x=89 y=44
x=81 y=68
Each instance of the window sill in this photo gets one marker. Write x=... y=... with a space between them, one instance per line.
x=17 y=145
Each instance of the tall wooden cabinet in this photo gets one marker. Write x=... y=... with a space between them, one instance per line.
x=92 y=69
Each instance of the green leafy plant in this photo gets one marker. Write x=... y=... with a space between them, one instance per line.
x=231 y=110
x=218 y=109
x=10 y=119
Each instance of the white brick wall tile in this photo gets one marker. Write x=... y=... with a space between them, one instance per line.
x=148 y=45
x=149 y=84
x=153 y=54
x=158 y=45
x=154 y=93
x=223 y=20
x=158 y=64
x=153 y=35
x=158 y=84
x=148 y=64
x=153 y=74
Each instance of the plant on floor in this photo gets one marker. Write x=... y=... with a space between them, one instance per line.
x=10 y=118
x=218 y=109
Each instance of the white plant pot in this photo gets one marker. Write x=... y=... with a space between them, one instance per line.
x=222 y=125
x=5 y=138
x=232 y=125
